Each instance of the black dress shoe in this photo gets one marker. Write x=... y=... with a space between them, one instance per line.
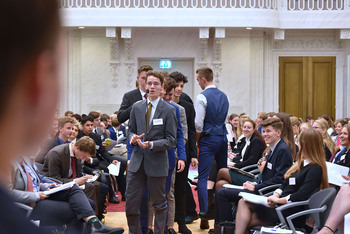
x=150 y=231
x=208 y=215
x=204 y=224
x=190 y=219
x=171 y=231
x=113 y=199
x=98 y=227
x=183 y=229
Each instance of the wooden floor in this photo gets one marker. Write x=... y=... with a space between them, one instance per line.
x=118 y=219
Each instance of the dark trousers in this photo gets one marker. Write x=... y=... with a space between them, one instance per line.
x=225 y=198
x=190 y=202
x=121 y=179
x=144 y=208
x=210 y=148
x=135 y=188
x=65 y=207
x=180 y=194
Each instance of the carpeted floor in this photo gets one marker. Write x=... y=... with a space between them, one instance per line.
x=116 y=216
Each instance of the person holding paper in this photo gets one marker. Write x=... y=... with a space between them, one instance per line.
x=28 y=187
x=152 y=130
x=278 y=161
x=341 y=156
x=64 y=163
x=304 y=178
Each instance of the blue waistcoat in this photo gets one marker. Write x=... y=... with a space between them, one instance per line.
x=216 y=112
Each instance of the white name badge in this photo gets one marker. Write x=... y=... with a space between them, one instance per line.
x=158 y=122
x=292 y=181
x=342 y=157
x=269 y=166
x=97 y=147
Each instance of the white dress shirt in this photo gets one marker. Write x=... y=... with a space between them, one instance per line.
x=201 y=105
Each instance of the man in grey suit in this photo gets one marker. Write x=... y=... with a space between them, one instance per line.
x=152 y=130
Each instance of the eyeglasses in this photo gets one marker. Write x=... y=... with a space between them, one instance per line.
x=154 y=84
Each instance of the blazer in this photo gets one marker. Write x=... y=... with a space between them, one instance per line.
x=276 y=166
x=12 y=219
x=19 y=183
x=344 y=159
x=40 y=157
x=183 y=119
x=128 y=100
x=101 y=152
x=162 y=135
x=185 y=97
x=191 y=145
x=253 y=152
x=57 y=164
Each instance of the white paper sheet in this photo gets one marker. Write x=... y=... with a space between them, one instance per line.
x=335 y=173
x=233 y=186
x=94 y=178
x=62 y=187
x=256 y=199
x=114 y=169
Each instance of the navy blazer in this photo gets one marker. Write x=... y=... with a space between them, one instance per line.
x=276 y=166
x=128 y=100
x=253 y=152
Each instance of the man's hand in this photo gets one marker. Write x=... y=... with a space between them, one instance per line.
x=180 y=165
x=135 y=137
x=249 y=186
x=144 y=145
x=194 y=162
x=346 y=177
x=82 y=180
x=115 y=162
x=42 y=196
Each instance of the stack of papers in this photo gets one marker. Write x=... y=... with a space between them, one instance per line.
x=232 y=186
x=252 y=198
x=335 y=173
x=58 y=189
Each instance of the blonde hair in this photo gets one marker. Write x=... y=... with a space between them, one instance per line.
x=241 y=121
x=326 y=137
x=311 y=147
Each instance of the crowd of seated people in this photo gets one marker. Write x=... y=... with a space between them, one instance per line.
x=72 y=152
x=284 y=139
x=279 y=145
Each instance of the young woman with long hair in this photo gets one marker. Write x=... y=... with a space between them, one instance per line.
x=304 y=178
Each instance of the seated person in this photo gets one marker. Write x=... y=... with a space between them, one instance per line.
x=277 y=163
x=65 y=131
x=64 y=163
x=329 y=144
x=250 y=154
x=77 y=129
x=104 y=159
x=340 y=207
x=307 y=176
x=28 y=187
x=341 y=156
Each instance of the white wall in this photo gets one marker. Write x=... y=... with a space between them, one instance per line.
x=246 y=64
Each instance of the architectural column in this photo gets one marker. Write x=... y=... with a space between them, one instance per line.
x=256 y=73
x=217 y=62
x=114 y=61
x=74 y=71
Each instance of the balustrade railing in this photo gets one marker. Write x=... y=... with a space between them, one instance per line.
x=291 y=5
x=259 y=4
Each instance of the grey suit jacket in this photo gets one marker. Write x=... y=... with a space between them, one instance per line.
x=57 y=164
x=162 y=135
x=19 y=183
x=183 y=120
